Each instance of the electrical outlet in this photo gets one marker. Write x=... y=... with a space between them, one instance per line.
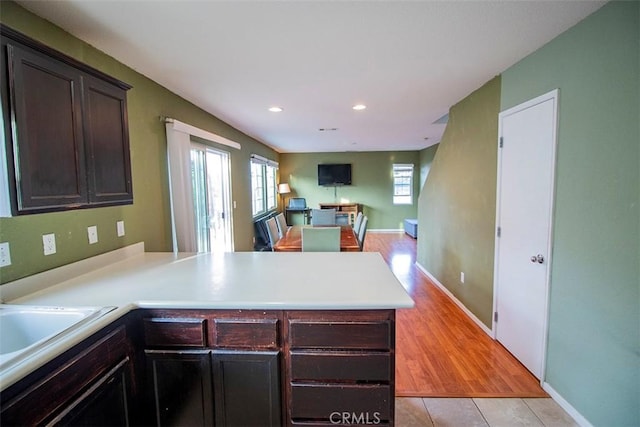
x=5 y=254
x=49 y=243
x=92 y=233
x=120 y=228
x=462 y=277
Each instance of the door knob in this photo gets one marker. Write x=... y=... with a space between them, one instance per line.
x=537 y=258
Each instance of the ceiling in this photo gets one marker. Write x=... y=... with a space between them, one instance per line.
x=407 y=61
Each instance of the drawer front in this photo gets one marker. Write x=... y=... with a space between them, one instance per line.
x=244 y=333
x=340 y=335
x=174 y=332
x=345 y=366
x=363 y=404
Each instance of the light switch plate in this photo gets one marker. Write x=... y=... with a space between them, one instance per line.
x=120 y=228
x=5 y=254
x=49 y=244
x=92 y=233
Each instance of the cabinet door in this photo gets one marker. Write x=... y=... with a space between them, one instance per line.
x=105 y=403
x=247 y=388
x=180 y=390
x=47 y=131
x=107 y=142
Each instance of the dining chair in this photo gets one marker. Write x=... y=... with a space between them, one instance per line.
x=342 y=218
x=362 y=232
x=357 y=223
x=272 y=231
x=323 y=217
x=282 y=224
x=321 y=239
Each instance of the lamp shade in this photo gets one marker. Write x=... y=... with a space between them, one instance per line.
x=284 y=188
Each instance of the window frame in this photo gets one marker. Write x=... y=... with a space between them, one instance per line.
x=264 y=194
x=402 y=183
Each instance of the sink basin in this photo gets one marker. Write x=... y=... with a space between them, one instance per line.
x=25 y=329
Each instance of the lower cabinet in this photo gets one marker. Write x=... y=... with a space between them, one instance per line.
x=88 y=385
x=247 y=388
x=105 y=404
x=180 y=390
x=340 y=367
x=208 y=368
x=218 y=367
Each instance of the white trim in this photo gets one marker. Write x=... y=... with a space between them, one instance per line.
x=552 y=95
x=569 y=409
x=179 y=126
x=455 y=300
x=259 y=159
x=385 y=230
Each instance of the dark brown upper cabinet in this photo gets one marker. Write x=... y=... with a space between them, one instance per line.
x=65 y=130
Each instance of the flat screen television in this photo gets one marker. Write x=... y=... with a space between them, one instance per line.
x=334 y=174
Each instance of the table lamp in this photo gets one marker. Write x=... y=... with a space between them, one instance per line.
x=283 y=188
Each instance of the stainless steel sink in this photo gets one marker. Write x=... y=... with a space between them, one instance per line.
x=27 y=329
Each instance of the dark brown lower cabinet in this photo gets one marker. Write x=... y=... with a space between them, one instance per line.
x=196 y=387
x=105 y=404
x=236 y=368
x=180 y=390
x=88 y=385
x=247 y=388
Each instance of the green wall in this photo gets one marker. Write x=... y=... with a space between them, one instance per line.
x=593 y=354
x=148 y=219
x=456 y=209
x=372 y=183
x=426 y=159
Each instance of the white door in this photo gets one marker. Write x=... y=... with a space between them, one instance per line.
x=526 y=164
x=211 y=199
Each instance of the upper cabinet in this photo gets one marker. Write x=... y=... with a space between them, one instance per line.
x=65 y=131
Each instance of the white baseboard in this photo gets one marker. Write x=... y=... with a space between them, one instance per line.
x=582 y=421
x=456 y=301
x=386 y=230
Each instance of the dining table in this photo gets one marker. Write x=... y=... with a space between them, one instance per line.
x=292 y=240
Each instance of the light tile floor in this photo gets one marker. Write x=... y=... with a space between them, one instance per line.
x=485 y=412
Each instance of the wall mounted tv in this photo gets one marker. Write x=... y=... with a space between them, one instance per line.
x=334 y=174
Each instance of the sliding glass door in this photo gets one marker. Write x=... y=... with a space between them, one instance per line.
x=211 y=199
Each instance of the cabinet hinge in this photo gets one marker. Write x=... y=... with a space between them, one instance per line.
x=499 y=232
x=495 y=316
x=501 y=142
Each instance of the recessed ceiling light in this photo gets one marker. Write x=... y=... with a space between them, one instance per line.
x=275 y=109
x=359 y=107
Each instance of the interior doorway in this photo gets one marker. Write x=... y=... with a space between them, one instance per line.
x=526 y=165
x=211 y=199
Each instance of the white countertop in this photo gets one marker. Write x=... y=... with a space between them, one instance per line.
x=130 y=278
x=239 y=280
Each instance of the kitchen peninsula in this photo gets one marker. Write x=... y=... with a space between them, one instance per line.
x=236 y=339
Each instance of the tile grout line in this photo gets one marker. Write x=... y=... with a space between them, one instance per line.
x=473 y=399
x=424 y=405
x=534 y=413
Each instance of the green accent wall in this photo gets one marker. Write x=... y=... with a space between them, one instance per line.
x=148 y=219
x=593 y=354
x=372 y=183
x=457 y=205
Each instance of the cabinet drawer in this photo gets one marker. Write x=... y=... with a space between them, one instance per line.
x=340 y=335
x=174 y=332
x=345 y=366
x=244 y=333
x=329 y=402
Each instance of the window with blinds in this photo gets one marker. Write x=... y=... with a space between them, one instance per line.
x=402 y=184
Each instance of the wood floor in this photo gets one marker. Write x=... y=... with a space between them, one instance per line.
x=440 y=352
